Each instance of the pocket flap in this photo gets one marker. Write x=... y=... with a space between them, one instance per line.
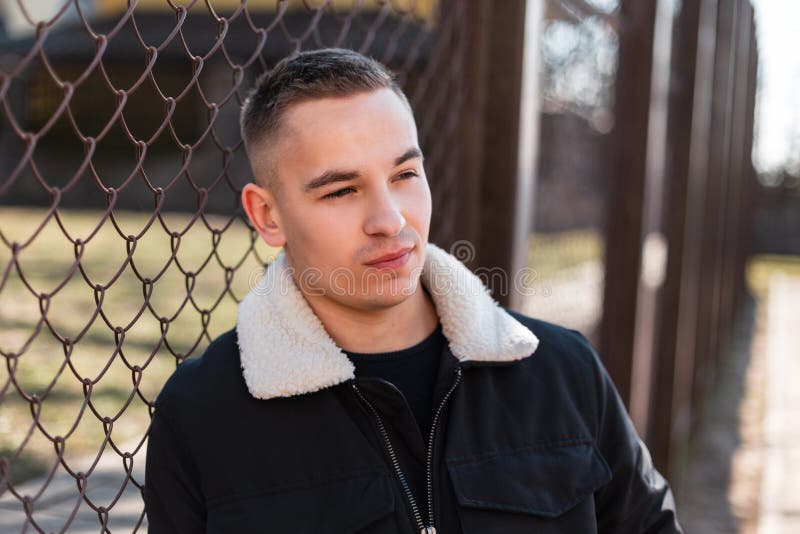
x=348 y=505
x=544 y=481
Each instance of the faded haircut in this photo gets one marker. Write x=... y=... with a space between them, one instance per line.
x=328 y=72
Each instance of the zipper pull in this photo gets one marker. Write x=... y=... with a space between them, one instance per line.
x=428 y=530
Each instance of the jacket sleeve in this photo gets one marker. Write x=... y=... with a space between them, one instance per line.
x=173 y=500
x=637 y=500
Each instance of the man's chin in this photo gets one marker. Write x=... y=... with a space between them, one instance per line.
x=387 y=294
x=382 y=302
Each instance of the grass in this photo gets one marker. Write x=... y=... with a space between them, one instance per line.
x=551 y=253
x=761 y=268
x=192 y=308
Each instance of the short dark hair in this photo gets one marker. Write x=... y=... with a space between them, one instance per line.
x=308 y=75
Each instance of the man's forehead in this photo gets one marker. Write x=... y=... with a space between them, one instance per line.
x=335 y=128
x=383 y=99
x=376 y=113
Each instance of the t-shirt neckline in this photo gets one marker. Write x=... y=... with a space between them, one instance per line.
x=423 y=345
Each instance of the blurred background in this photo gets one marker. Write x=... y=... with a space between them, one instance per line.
x=633 y=167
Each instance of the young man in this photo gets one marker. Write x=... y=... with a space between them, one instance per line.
x=371 y=383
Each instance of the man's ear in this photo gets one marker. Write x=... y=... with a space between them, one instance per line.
x=259 y=204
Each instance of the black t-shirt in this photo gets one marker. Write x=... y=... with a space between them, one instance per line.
x=413 y=370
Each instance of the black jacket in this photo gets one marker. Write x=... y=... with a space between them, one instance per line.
x=530 y=438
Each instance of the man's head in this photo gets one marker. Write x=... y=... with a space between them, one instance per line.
x=339 y=176
x=331 y=72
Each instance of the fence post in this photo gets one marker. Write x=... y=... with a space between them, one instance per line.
x=747 y=202
x=624 y=226
x=499 y=135
x=709 y=295
x=670 y=367
x=741 y=166
x=689 y=289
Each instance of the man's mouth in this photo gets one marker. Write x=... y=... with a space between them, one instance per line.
x=392 y=260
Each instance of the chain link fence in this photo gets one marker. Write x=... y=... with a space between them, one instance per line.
x=123 y=247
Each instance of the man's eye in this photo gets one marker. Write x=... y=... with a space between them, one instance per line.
x=407 y=174
x=339 y=193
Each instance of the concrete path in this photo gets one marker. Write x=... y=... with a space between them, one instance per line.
x=780 y=489
x=61 y=498
x=719 y=490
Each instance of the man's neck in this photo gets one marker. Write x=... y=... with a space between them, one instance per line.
x=378 y=330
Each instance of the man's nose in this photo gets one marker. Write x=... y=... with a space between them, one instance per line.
x=384 y=216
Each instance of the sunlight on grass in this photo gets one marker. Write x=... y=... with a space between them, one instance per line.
x=549 y=254
x=566 y=285
x=62 y=320
x=762 y=267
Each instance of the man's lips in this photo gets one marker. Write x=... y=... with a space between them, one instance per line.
x=390 y=256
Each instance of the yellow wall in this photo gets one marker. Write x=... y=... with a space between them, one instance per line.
x=107 y=8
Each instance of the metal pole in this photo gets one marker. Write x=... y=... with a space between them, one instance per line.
x=501 y=149
x=624 y=227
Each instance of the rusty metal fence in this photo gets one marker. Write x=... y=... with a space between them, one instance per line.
x=119 y=120
x=644 y=197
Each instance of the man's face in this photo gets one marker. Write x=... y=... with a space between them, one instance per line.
x=351 y=189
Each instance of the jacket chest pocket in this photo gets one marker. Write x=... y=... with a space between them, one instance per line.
x=349 y=506
x=539 y=490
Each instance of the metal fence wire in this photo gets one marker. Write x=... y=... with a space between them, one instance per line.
x=119 y=122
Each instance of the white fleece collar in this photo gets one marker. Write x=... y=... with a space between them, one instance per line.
x=286 y=351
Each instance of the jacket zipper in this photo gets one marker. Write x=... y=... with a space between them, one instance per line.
x=430 y=528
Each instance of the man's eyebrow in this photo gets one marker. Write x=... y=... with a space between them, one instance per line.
x=333 y=176
x=411 y=153
x=330 y=177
